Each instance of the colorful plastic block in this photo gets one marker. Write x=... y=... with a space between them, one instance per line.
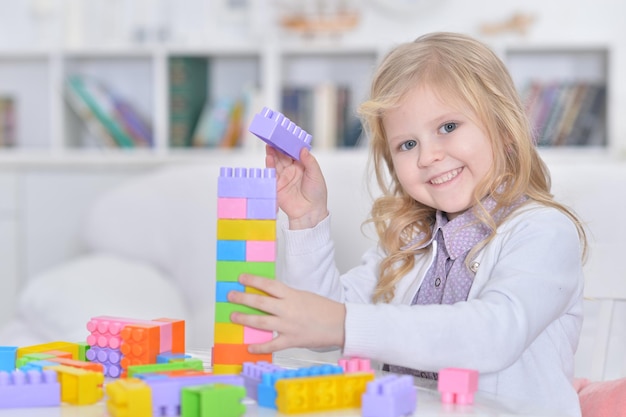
x=78 y=386
x=177 y=335
x=222 y=288
x=194 y=364
x=213 y=400
x=31 y=357
x=228 y=333
x=275 y=129
x=389 y=396
x=141 y=343
x=355 y=365
x=252 y=372
x=243 y=229
x=109 y=359
x=246 y=183
x=129 y=398
x=252 y=335
x=230 y=271
x=266 y=396
x=232 y=208
x=261 y=208
x=224 y=310
x=8 y=356
x=236 y=355
x=457 y=385
x=87 y=366
x=33 y=388
x=321 y=393
x=260 y=251
x=44 y=347
x=219 y=369
x=231 y=250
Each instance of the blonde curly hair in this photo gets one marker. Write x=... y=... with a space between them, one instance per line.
x=468 y=74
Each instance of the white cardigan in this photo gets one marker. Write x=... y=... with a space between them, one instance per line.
x=519 y=327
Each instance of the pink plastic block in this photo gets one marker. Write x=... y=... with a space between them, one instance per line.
x=29 y=389
x=105 y=331
x=355 y=365
x=260 y=250
x=232 y=208
x=389 y=396
x=261 y=208
x=246 y=183
x=457 y=385
x=252 y=335
x=275 y=129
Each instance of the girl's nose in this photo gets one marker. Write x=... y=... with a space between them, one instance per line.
x=429 y=152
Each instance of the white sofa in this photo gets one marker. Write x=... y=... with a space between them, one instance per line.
x=151 y=246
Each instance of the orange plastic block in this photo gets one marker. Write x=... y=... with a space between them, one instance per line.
x=59 y=353
x=78 y=386
x=321 y=393
x=140 y=344
x=228 y=333
x=224 y=354
x=72 y=348
x=178 y=334
x=228 y=229
x=129 y=398
x=87 y=366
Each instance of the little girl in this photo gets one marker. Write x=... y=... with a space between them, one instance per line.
x=476 y=267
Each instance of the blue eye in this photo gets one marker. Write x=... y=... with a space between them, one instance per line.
x=448 y=127
x=408 y=145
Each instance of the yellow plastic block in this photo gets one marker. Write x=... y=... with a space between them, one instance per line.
x=72 y=348
x=321 y=393
x=254 y=291
x=246 y=229
x=129 y=397
x=227 y=369
x=228 y=333
x=78 y=386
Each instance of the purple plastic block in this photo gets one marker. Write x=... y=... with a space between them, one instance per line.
x=7 y=358
x=109 y=358
x=29 y=389
x=389 y=396
x=266 y=390
x=166 y=390
x=247 y=182
x=251 y=374
x=275 y=129
x=261 y=208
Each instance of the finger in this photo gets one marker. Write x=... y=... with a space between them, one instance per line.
x=269 y=286
x=258 y=321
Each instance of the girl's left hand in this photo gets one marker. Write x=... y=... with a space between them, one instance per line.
x=301 y=318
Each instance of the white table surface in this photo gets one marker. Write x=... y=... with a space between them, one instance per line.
x=428 y=402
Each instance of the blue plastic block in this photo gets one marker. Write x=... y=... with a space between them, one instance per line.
x=19 y=389
x=231 y=250
x=167 y=357
x=38 y=365
x=8 y=354
x=222 y=288
x=247 y=183
x=266 y=391
x=275 y=129
x=390 y=396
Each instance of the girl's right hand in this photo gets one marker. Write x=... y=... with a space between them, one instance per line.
x=301 y=188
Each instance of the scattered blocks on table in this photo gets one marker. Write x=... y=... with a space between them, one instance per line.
x=151 y=368
x=275 y=129
x=44 y=347
x=213 y=400
x=252 y=373
x=129 y=397
x=457 y=385
x=8 y=356
x=78 y=386
x=321 y=393
x=389 y=396
x=19 y=389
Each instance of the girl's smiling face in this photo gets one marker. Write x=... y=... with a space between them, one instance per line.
x=439 y=153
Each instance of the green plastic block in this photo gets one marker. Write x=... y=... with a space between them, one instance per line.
x=230 y=270
x=32 y=357
x=189 y=364
x=224 y=310
x=83 y=347
x=212 y=400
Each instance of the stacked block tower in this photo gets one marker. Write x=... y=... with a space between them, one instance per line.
x=246 y=243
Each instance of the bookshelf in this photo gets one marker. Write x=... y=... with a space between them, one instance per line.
x=236 y=79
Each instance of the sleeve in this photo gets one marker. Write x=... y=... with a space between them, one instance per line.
x=535 y=276
x=309 y=264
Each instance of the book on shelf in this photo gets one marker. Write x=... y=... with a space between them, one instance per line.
x=8 y=120
x=188 y=91
x=567 y=113
x=110 y=118
x=324 y=112
x=220 y=124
